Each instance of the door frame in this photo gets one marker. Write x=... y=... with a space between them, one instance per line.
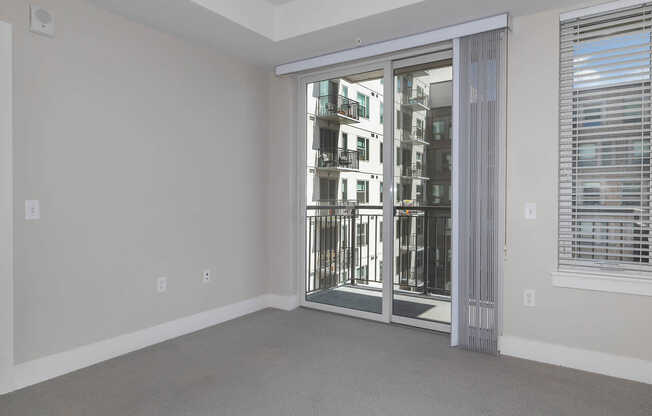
x=420 y=323
x=387 y=63
x=6 y=209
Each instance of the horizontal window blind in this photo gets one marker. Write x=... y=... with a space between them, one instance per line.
x=604 y=159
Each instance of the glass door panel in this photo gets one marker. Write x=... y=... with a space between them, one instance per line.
x=421 y=290
x=344 y=177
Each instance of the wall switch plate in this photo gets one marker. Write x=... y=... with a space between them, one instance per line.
x=530 y=211
x=529 y=298
x=32 y=209
x=206 y=276
x=41 y=21
x=161 y=284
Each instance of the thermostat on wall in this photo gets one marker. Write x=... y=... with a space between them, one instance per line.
x=41 y=21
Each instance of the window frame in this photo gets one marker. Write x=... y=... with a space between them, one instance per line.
x=597 y=277
x=363 y=152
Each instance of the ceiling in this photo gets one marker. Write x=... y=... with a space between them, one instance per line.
x=276 y=2
x=271 y=32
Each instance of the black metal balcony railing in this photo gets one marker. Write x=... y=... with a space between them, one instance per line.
x=335 y=250
x=336 y=106
x=338 y=159
x=336 y=206
x=335 y=256
x=424 y=262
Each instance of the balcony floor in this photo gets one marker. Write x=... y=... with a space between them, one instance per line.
x=370 y=300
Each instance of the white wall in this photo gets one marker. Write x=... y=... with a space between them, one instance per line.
x=148 y=156
x=612 y=323
x=281 y=171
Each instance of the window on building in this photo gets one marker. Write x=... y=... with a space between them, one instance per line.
x=345 y=141
x=362 y=235
x=604 y=160
x=382 y=113
x=345 y=190
x=327 y=189
x=381 y=152
x=327 y=139
x=380 y=236
x=363 y=148
x=381 y=192
x=364 y=105
x=345 y=90
x=362 y=192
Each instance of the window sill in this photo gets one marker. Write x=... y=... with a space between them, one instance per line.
x=603 y=283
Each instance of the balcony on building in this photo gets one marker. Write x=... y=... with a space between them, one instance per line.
x=336 y=206
x=415 y=96
x=413 y=171
x=414 y=134
x=338 y=159
x=338 y=109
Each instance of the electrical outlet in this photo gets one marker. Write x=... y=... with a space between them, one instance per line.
x=206 y=276
x=529 y=298
x=530 y=211
x=161 y=284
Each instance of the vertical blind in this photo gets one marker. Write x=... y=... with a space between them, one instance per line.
x=604 y=149
x=481 y=184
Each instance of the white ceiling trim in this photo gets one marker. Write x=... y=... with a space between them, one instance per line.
x=394 y=45
x=295 y=18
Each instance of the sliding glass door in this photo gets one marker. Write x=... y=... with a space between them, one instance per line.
x=423 y=167
x=377 y=191
x=343 y=192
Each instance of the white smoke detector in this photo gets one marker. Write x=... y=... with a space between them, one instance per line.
x=41 y=21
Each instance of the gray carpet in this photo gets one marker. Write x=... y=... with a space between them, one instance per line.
x=308 y=362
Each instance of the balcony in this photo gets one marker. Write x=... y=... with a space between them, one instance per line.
x=338 y=109
x=415 y=96
x=414 y=134
x=342 y=272
x=413 y=171
x=338 y=159
x=336 y=206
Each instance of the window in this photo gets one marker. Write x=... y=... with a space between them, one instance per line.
x=345 y=141
x=381 y=153
x=327 y=189
x=362 y=235
x=327 y=139
x=345 y=90
x=362 y=193
x=363 y=148
x=381 y=192
x=364 y=105
x=380 y=236
x=604 y=159
x=382 y=111
x=345 y=190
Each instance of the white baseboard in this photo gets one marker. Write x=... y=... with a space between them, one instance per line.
x=283 y=302
x=41 y=369
x=586 y=360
